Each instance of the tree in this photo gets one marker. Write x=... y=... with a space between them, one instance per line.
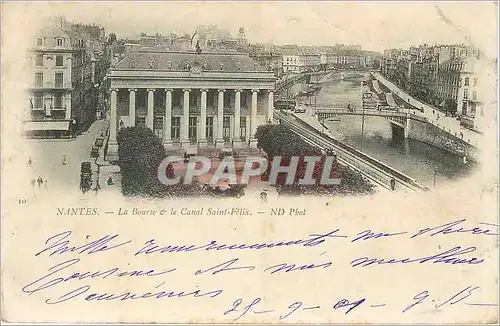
x=140 y=153
x=450 y=106
x=112 y=38
x=279 y=140
x=260 y=135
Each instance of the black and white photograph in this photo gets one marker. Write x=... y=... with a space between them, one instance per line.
x=250 y=162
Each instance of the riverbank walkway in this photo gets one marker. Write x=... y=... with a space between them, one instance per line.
x=438 y=119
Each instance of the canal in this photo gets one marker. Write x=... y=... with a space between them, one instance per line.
x=421 y=161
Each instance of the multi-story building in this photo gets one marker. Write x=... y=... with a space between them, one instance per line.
x=299 y=60
x=51 y=102
x=89 y=72
x=469 y=99
x=442 y=75
x=291 y=63
x=309 y=59
x=423 y=75
x=191 y=100
x=68 y=67
x=329 y=59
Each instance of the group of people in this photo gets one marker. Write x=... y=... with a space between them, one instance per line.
x=40 y=181
x=34 y=181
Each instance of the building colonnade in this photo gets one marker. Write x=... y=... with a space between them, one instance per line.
x=190 y=124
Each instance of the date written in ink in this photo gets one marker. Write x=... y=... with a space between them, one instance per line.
x=239 y=308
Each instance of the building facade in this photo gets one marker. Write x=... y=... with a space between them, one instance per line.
x=191 y=100
x=442 y=75
x=291 y=63
x=50 y=95
x=66 y=67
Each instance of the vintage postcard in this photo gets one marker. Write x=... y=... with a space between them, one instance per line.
x=249 y=162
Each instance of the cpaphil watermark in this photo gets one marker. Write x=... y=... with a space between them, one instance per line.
x=316 y=170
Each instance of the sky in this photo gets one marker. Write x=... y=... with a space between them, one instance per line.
x=374 y=25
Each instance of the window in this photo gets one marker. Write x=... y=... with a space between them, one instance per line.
x=176 y=128
x=475 y=81
x=39 y=60
x=466 y=94
x=38 y=101
x=59 y=79
x=39 y=41
x=466 y=81
x=59 y=60
x=59 y=42
x=464 y=108
x=226 y=100
x=243 y=128
x=210 y=128
x=193 y=125
x=474 y=95
x=226 y=121
x=58 y=102
x=38 y=79
x=158 y=126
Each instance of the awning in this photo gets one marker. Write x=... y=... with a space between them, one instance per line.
x=46 y=125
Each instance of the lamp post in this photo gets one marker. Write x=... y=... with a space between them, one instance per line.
x=434 y=182
x=362 y=116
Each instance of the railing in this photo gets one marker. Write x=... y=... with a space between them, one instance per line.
x=370 y=167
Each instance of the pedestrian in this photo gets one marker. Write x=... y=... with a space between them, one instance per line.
x=110 y=181
x=40 y=182
x=30 y=161
x=393 y=184
x=263 y=196
x=33 y=182
x=46 y=186
x=63 y=160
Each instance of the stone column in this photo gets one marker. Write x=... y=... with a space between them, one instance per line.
x=203 y=119
x=270 y=106
x=185 y=122
x=253 y=118
x=237 y=116
x=151 y=102
x=219 y=143
x=112 y=144
x=167 y=126
x=131 y=109
x=112 y=113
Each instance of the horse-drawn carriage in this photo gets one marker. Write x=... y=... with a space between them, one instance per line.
x=85 y=176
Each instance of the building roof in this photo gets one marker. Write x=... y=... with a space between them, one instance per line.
x=52 y=31
x=183 y=61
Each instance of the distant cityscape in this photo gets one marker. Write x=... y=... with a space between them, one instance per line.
x=79 y=56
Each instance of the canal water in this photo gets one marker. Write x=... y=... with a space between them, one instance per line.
x=420 y=161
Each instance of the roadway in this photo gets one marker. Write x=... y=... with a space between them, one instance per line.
x=379 y=173
x=438 y=119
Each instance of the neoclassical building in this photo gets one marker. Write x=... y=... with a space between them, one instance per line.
x=190 y=99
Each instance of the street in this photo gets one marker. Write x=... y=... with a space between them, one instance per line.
x=47 y=161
